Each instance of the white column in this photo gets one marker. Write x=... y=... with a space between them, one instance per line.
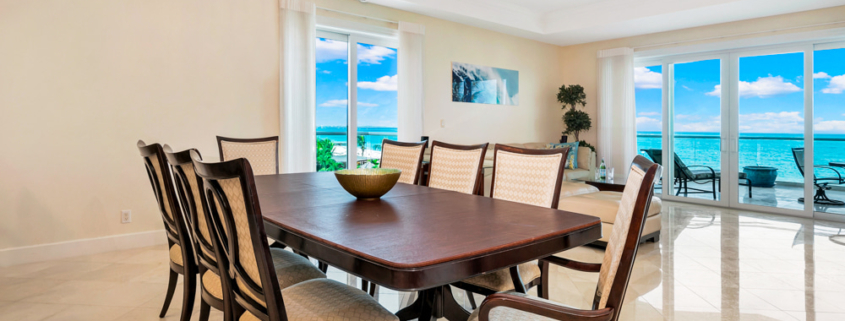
x=297 y=110
x=410 y=73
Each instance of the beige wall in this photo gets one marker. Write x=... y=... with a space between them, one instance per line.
x=82 y=81
x=579 y=63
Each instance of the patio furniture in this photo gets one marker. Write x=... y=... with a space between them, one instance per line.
x=820 y=182
x=698 y=174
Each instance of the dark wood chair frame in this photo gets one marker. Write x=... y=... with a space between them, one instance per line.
x=821 y=183
x=404 y=144
x=205 y=262
x=221 y=139
x=514 y=270
x=620 y=282
x=478 y=189
x=176 y=230
x=270 y=291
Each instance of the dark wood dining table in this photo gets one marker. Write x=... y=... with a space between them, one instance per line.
x=414 y=238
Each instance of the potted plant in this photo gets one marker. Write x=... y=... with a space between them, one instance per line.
x=576 y=121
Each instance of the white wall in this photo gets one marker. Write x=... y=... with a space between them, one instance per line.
x=82 y=80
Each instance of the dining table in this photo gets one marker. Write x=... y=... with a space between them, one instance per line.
x=414 y=238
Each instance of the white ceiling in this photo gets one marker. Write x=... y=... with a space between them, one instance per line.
x=567 y=22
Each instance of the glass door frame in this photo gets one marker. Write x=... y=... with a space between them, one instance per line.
x=809 y=148
x=733 y=175
x=339 y=30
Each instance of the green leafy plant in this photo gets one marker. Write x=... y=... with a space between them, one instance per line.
x=586 y=144
x=576 y=121
x=325 y=162
x=362 y=144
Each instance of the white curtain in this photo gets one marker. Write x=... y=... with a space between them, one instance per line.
x=616 y=111
x=297 y=141
x=410 y=69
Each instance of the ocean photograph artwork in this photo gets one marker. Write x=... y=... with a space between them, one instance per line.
x=484 y=85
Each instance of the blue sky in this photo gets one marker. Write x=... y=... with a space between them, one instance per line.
x=771 y=94
x=377 y=84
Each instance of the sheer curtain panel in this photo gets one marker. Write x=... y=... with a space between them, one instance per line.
x=617 y=116
x=410 y=69
x=297 y=141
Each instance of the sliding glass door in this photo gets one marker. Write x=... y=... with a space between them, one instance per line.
x=356 y=99
x=829 y=129
x=769 y=100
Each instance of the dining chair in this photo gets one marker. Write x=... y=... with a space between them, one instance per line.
x=259 y=292
x=406 y=157
x=262 y=153
x=215 y=292
x=456 y=167
x=528 y=176
x=178 y=237
x=614 y=271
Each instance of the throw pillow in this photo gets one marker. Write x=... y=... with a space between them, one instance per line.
x=572 y=159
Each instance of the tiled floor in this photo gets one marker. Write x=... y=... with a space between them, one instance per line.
x=711 y=264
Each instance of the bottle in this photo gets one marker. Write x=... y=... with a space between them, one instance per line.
x=602 y=170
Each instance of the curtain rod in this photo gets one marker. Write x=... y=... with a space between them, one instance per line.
x=740 y=35
x=358 y=15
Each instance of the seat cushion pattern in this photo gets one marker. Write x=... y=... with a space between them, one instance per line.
x=176 y=254
x=291 y=268
x=262 y=156
x=211 y=284
x=505 y=313
x=501 y=280
x=323 y=299
x=403 y=158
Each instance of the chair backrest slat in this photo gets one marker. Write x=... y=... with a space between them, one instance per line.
x=456 y=167
x=530 y=176
x=406 y=157
x=262 y=153
x=235 y=213
x=624 y=239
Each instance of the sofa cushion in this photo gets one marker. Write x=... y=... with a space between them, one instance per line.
x=568 y=189
x=584 y=157
x=572 y=156
x=573 y=174
x=603 y=205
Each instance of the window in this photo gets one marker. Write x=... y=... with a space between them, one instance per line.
x=372 y=80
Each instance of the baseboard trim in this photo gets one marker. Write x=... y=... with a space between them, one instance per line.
x=67 y=249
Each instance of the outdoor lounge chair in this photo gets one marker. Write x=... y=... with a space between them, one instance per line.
x=820 y=182
x=698 y=174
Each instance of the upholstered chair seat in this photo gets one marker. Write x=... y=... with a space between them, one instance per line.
x=506 y=313
x=324 y=299
x=499 y=281
x=176 y=254
x=290 y=268
x=406 y=157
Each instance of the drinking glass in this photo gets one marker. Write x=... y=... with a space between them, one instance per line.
x=610 y=175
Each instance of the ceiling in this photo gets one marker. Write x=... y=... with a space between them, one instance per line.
x=567 y=22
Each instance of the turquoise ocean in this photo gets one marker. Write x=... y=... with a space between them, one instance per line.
x=372 y=135
x=773 y=150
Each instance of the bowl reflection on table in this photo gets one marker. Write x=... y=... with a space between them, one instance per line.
x=368 y=183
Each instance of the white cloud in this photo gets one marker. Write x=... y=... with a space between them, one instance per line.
x=714 y=124
x=344 y=102
x=687 y=88
x=647 y=79
x=328 y=50
x=384 y=83
x=763 y=87
x=649 y=113
x=649 y=124
x=836 y=85
x=374 y=55
x=830 y=126
x=820 y=75
x=782 y=122
x=326 y=72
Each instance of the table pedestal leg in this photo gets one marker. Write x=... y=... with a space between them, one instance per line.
x=432 y=304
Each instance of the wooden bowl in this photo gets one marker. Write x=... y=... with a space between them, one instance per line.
x=368 y=183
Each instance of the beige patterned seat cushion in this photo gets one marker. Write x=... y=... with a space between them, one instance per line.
x=501 y=280
x=261 y=155
x=176 y=254
x=527 y=179
x=454 y=170
x=211 y=284
x=403 y=158
x=290 y=268
x=323 y=299
x=509 y=314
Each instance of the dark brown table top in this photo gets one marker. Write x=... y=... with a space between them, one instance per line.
x=413 y=229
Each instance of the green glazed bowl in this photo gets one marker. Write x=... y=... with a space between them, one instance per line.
x=368 y=183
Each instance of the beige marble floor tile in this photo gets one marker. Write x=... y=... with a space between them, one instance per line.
x=87 y=313
x=14 y=289
x=20 y=311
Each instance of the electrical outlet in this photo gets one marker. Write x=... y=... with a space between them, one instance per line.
x=126 y=216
